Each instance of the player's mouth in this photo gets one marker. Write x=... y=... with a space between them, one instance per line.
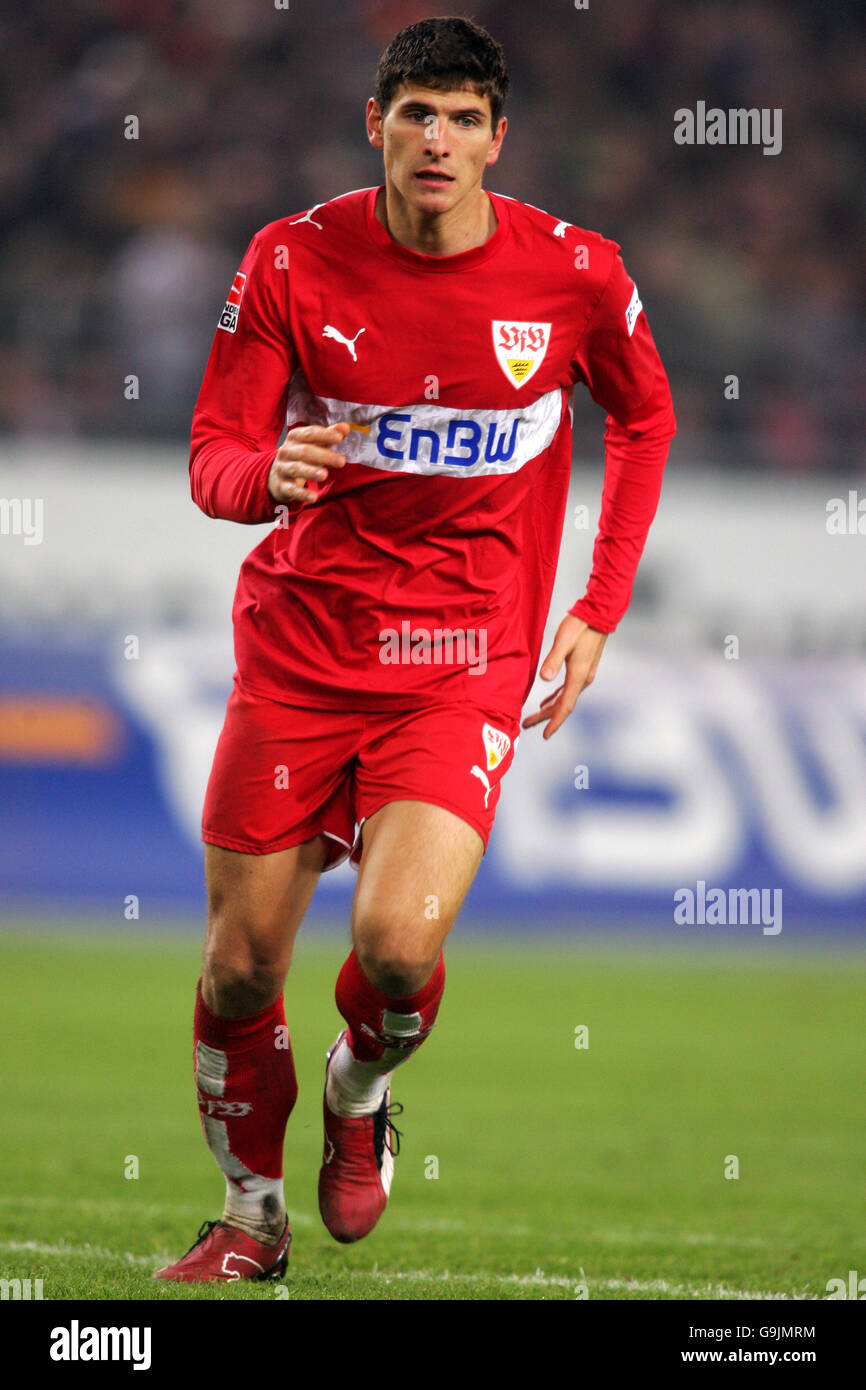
x=434 y=177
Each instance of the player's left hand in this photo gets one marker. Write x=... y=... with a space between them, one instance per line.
x=580 y=647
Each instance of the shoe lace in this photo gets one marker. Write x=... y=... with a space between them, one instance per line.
x=203 y=1233
x=385 y=1132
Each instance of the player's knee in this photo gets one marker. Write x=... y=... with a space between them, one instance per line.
x=239 y=981
x=395 y=967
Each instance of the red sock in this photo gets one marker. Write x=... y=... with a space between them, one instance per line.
x=247 y=1088
x=378 y=1021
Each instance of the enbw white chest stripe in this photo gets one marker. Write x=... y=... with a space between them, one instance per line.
x=431 y=438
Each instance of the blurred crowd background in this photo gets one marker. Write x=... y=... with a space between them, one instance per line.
x=117 y=253
x=727 y=738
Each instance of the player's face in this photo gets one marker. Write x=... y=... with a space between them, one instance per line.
x=436 y=144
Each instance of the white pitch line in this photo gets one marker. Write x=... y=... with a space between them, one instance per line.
x=612 y=1285
x=77 y=1252
x=538 y=1279
x=695 y=1290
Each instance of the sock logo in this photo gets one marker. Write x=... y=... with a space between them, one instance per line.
x=230 y=1108
x=400 y=1030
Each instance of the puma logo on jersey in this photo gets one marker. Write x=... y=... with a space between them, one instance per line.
x=560 y=228
x=308 y=217
x=329 y=332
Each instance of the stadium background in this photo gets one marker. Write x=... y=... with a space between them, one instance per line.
x=723 y=741
x=739 y=765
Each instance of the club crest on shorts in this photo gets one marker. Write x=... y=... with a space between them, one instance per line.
x=520 y=348
x=496 y=744
x=229 y=315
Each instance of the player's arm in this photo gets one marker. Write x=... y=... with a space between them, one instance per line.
x=236 y=471
x=619 y=362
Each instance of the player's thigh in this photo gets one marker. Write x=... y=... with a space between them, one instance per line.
x=256 y=903
x=417 y=864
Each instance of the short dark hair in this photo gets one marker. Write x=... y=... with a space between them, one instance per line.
x=444 y=54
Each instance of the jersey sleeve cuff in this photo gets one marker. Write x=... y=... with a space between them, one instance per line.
x=584 y=610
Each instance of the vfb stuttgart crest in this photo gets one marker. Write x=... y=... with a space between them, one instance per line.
x=520 y=348
x=496 y=746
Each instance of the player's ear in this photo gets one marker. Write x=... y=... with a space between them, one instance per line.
x=374 y=124
x=493 y=152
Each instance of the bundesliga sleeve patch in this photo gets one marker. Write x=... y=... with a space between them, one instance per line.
x=229 y=315
x=631 y=313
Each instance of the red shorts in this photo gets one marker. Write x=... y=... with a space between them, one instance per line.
x=284 y=773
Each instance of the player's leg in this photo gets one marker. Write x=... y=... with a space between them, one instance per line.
x=244 y=1070
x=256 y=903
x=278 y=804
x=417 y=865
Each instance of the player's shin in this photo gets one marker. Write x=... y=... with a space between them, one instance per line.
x=246 y=1087
x=383 y=1032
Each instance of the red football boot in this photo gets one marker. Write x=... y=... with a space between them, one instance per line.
x=357 y=1166
x=224 y=1253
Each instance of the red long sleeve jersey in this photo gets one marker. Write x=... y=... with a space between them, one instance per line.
x=424 y=571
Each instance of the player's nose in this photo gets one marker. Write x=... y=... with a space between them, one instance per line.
x=437 y=141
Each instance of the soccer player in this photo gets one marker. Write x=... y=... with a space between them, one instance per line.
x=421 y=342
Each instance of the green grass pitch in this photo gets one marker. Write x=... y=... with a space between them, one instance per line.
x=562 y=1170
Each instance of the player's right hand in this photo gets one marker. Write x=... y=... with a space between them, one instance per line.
x=305 y=455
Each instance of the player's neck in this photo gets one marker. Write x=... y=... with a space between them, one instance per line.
x=445 y=234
